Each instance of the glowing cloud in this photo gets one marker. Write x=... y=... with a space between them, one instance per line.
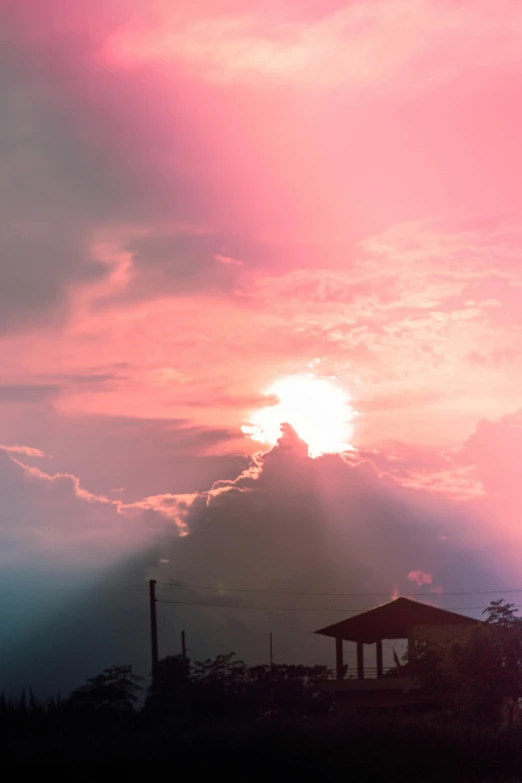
x=420 y=578
x=28 y=451
x=317 y=408
x=228 y=260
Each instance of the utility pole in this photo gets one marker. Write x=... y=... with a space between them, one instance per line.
x=183 y=646
x=153 y=629
x=271 y=651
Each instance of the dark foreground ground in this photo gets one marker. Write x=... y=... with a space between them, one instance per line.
x=322 y=750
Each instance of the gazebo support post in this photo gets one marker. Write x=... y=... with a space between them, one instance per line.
x=379 y=658
x=411 y=647
x=339 y=665
x=360 y=661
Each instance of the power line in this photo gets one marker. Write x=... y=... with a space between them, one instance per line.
x=331 y=595
x=245 y=606
x=298 y=608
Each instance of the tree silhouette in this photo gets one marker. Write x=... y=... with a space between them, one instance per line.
x=227 y=687
x=116 y=688
x=477 y=678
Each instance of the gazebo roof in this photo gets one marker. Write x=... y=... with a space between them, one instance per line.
x=393 y=620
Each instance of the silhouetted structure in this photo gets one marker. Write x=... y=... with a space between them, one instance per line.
x=398 y=619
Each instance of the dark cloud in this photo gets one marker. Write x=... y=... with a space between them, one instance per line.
x=85 y=379
x=178 y=263
x=58 y=544
x=59 y=185
x=50 y=524
x=91 y=378
x=83 y=149
x=299 y=531
x=300 y=516
x=305 y=527
x=186 y=259
x=51 y=386
x=141 y=456
x=44 y=239
x=27 y=392
x=182 y=261
x=79 y=152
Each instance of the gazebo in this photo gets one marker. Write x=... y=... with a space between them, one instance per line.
x=398 y=619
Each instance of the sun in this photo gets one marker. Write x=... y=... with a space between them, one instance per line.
x=318 y=409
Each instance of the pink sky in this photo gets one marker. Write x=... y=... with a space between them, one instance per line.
x=202 y=198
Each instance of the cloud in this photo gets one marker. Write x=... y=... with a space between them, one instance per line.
x=64 y=190
x=68 y=194
x=89 y=378
x=27 y=392
x=228 y=260
x=495 y=449
x=317 y=538
x=177 y=260
x=52 y=515
x=427 y=468
x=27 y=451
x=354 y=46
x=292 y=520
x=347 y=493
x=57 y=478
x=47 y=186
x=420 y=578
x=141 y=456
x=424 y=315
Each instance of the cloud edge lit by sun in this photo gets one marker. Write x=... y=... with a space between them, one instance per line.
x=317 y=408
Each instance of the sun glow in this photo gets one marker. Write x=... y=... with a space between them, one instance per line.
x=317 y=408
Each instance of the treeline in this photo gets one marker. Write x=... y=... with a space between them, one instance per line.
x=228 y=688
x=181 y=692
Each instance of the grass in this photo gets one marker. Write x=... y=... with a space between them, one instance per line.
x=322 y=748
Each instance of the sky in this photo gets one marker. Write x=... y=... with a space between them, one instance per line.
x=219 y=217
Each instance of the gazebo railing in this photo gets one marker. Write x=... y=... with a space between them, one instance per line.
x=370 y=673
